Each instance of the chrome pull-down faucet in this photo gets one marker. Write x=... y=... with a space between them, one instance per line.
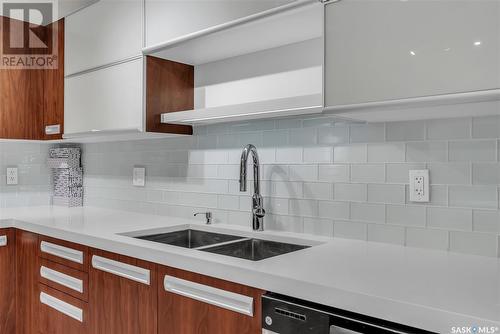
x=258 y=211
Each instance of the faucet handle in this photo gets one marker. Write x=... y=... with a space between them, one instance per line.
x=208 y=216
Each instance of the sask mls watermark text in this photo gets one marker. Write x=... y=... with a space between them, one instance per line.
x=28 y=37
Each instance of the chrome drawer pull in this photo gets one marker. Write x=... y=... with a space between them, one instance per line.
x=62 y=252
x=128 y=271
x=63 y=307
x=62 y=279
x=210 y=295
x=3 y=240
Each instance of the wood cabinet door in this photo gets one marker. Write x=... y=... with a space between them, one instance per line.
x=179 y=314
x=7 y=281
x=27 y=266
x=123 y=296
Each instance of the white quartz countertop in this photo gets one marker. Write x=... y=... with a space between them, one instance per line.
x=431 y=290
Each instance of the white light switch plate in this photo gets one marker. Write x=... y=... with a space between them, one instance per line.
x=139 y=176
x=12 y=178
x=419 y=185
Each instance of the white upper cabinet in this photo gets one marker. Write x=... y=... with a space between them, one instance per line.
x=108 y=99
x=402 y=49
x=106 y=32
x=167 y=19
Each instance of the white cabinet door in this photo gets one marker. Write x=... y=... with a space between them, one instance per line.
x=105 y=32
x=106 y=99
x=394 y=49
x=167 y=19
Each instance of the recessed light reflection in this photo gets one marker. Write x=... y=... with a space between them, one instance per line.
x=412 y=53
x=447 y=49
x=477 y=43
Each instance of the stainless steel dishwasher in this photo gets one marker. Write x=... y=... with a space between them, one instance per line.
x=287 y=315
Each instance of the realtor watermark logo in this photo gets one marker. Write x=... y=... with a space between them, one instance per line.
x=475 y=330
x=29 y=41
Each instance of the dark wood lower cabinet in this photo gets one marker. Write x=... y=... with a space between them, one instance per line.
x=179 y=314
x=60 y=313
x=7 y=281
x=27 y=266
x=119 y=295
x=121 y=301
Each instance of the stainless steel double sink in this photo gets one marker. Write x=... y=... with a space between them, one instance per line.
x=225 y=244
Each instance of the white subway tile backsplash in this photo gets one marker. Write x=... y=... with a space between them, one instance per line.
x=475 y=150
x=303 y=173
x=427 y=238
x=349 y=192
x=289 y=155
x=486 y=221
x=405 y=131
x=314 y=180
x=350 y=230
x=400 y=173
x=386 y=152
x=474 y=196
x=486 y=173
x=486 y=127
x=333 y=135
x=368 y=212
x=426 y=151
x=368 y=173
x=351 y=153
x=449 y=218
x=449 y=173
x=334 y=210
x=386 y=233
x=474 y=243
x=314 y=190
x=387 y=193
x=406 y=215
x=303 y=207
x=449 y=128
x=318 y=154
x=316 y=226
x=366 y=133
x=333 y=173
x=304 y=136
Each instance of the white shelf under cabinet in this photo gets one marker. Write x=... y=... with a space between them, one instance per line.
x=300 y=105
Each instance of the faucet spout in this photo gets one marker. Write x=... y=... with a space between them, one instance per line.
x=258 y=211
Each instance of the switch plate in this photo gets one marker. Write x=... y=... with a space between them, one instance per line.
x=419 y=185
x=12 y=177
x=139 y=176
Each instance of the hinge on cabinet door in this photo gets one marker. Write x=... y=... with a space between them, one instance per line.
x=53 y=129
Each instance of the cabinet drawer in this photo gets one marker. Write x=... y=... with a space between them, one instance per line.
x=227 y=307
x=68 y=280
x=60 y=313
x=64 y=252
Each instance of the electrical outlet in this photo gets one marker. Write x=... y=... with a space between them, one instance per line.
x=12 y=178
x=139 y=176
x=419 y=185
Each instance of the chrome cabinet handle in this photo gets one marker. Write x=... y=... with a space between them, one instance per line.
x=210 y=295
x=62 y=279
x=61 y=306
x=62 y=252
x=3 y=240
x=121 y=269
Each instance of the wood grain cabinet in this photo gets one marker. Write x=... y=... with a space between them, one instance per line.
x=190 y=303
x=7 y=281
x=123 y=294
x=31 y=100
x=27 y=266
